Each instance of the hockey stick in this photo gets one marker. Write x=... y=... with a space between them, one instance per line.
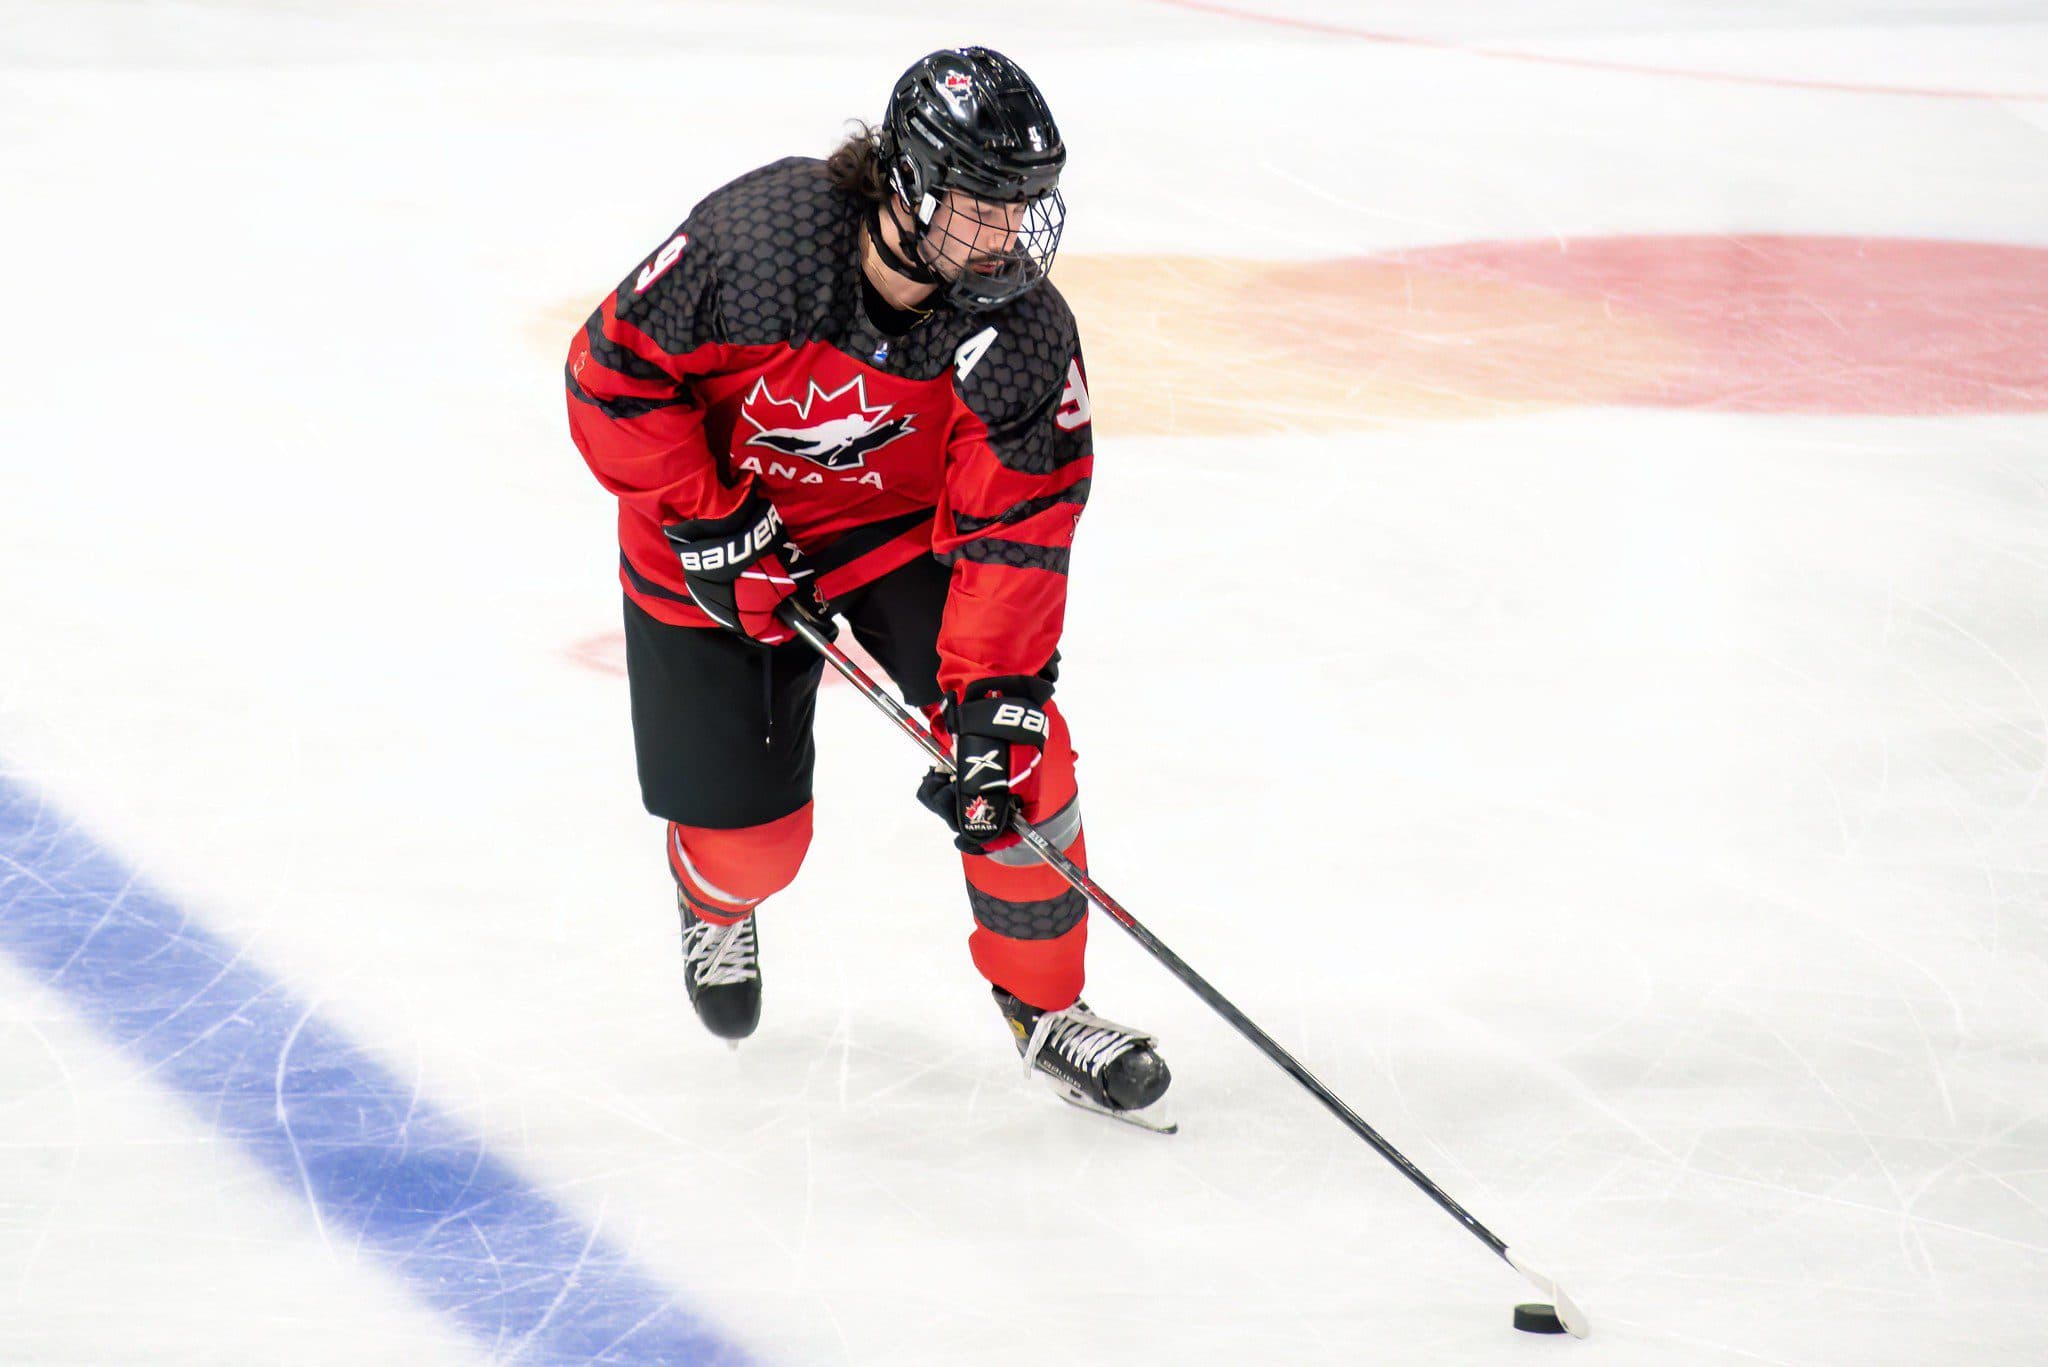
x=1569 y=1315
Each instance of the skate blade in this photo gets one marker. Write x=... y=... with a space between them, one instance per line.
x=1142 y=1120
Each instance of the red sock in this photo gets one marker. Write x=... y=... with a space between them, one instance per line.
x=725 y=874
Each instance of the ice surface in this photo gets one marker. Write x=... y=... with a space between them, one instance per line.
x=1629 y=801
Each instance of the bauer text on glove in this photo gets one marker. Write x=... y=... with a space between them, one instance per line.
x=997 y=735
x=738 y=569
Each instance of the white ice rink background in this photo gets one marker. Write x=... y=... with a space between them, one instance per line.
x=1558 y=636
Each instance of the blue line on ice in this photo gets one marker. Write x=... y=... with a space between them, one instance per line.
x=379 y=1166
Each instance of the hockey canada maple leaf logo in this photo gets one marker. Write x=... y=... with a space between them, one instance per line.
x=836 y=429
x=979 y=816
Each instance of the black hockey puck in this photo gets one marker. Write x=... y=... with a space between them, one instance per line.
x=1533 y=1317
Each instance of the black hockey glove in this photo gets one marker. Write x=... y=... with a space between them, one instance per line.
x=997 y=734
x=738 y=569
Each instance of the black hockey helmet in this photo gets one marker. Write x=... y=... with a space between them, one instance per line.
x=969 y=120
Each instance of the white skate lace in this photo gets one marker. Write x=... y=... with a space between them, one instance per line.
x=1089 y=1042
x=720 y=955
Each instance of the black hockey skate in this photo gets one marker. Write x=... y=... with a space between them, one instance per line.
x=722 y=967
x=1096 y=1064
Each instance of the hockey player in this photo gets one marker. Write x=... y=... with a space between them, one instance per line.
x=848 y=384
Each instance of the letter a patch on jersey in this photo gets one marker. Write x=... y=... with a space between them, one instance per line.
x=1074 y=411
x=971 y=351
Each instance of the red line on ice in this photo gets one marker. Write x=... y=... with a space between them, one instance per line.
x=1597 y=63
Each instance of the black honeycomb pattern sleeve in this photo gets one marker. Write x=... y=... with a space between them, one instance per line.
x=1018 y=473
x=1018 y=386
x=1075 y=493
x=784 y=239
x=678 y=309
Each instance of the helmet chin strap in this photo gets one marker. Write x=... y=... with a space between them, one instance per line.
x=893 y=259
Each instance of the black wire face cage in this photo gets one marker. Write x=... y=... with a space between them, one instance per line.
x=989 y=279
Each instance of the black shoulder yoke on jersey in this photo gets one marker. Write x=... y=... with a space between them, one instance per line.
x=773 y=258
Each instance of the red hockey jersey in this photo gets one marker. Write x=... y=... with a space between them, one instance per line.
x=739 y=355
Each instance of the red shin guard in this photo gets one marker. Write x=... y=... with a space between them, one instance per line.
x=1046 y=974
x=727 y=873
